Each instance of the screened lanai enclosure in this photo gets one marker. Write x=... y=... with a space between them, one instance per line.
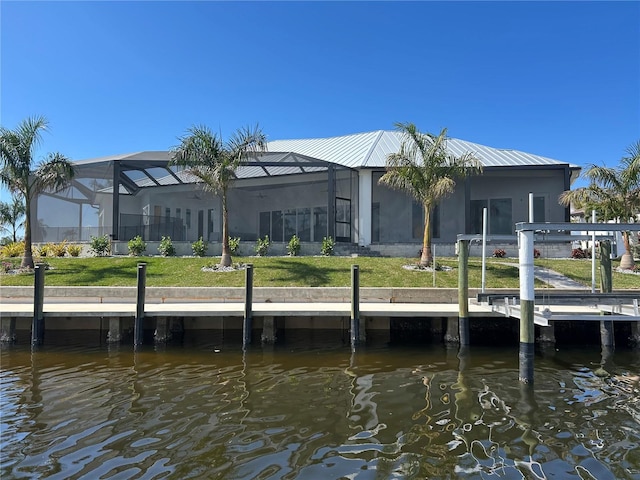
x=276 y=194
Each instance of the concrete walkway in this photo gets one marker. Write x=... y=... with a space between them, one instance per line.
x=553 y=278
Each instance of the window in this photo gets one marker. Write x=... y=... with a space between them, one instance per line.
x=265 y=224
x=538 y=210
x=375 y=222
x=276 y=226
x=499 y=213
x=343 y=219
x=178 y=213
x=289 y=224
x=281 y=226
x=167 y=215
x=476 y=215
x=500 y=222
x=210 y=223
x=304 y=224
x=188 y=213
x=417 y=221
x=319 y=223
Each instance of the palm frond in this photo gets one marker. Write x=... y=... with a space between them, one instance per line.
x=53 y=174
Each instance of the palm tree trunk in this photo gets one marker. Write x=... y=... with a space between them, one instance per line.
x=27 y=259
x=225 y=260
x=626 y=262
x=426 y=257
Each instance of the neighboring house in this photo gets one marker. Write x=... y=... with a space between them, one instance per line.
x=310 y=187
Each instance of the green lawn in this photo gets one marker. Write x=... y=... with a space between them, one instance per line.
x=297 y=272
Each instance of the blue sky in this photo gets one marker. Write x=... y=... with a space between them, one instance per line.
x=559 y=79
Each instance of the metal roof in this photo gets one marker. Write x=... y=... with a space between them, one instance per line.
x=288 y=157
x=370 y=150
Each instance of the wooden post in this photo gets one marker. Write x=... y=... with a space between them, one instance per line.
x=527 y=300
x=355 y=305
x=607 y=337
x=37 y=326
x=248 y=310
x=138 y=329
x=606 y=285
x=463 y=291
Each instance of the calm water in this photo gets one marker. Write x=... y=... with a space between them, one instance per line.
x=311 y=409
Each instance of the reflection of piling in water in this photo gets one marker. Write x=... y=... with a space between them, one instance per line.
x=464 y=398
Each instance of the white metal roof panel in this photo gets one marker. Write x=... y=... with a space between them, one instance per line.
x=370 y=149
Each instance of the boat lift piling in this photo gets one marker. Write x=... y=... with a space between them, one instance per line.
x=355 y=306
x=138 y=328
x=248 y=306
x=463 y=291
x=37 y=326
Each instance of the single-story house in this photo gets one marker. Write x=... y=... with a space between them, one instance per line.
x=313 y=188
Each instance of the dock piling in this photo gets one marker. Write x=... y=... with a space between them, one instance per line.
x=248 y=309
x=37 y=327
x=607 y=336
x=463 y=291
x=527 y=300
x=355 y=305
x=138 y=329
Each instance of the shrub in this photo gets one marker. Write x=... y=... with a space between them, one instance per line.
x=578 y=253
x=166 y=247
x=74 y=250
x=57 y=249
x=100 y=246
x=327 y=246
x=499 y=253
x=199 y=247
x=293 y=248
x=13 y=249
x=137 y=246
x=536 y=253
x=262 y=246
x=234 y=245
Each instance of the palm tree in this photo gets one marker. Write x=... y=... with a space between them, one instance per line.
x=11 y=214
x=427 y=171
x=614 y=193
x=214 y=163
x=20 y=175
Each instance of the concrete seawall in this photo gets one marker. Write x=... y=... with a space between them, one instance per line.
x=236 y=294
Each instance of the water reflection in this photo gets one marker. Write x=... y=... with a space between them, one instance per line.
x=320 y=411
